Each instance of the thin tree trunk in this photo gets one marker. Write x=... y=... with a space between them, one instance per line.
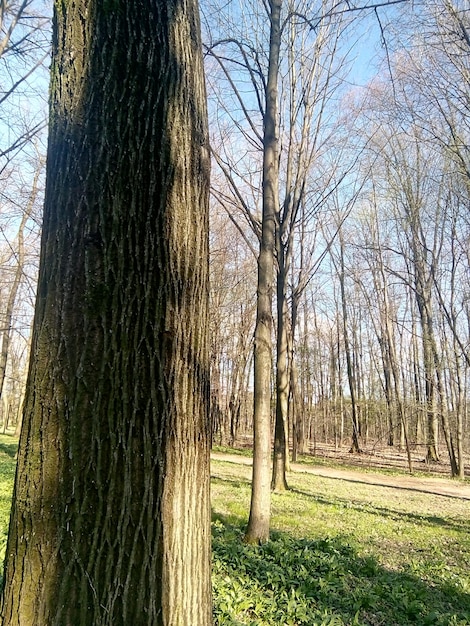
x=393 y=374
x=260 y=508
x=7 y=330
x=448 y=437
x=355 y=447
x=279 y=481
x=432 y=450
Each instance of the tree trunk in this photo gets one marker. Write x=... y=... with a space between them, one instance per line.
x=432 y=449
x=110 y=519
x=443 y=409
x=260 y=508
x=279 y=481
x=417 y=394
x=355 y=447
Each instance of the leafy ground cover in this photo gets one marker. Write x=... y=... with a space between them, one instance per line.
x=8 y=447
x=340 y=554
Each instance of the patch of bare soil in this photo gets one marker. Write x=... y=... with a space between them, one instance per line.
x=438 y=484
x=377 y=455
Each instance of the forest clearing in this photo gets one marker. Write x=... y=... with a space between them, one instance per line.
x=353 y=470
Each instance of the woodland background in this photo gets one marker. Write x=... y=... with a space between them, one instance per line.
x=372 y=311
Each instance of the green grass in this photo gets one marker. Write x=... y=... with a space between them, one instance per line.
x=8 y=445
x=247 y=452
x=341 y=554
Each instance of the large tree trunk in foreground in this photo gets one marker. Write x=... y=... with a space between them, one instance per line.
x=110 y=523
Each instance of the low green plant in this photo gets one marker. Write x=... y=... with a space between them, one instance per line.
x=338 y=556
x=8 y=447
x=247 y=452
x=366 y=556
x=319 y=582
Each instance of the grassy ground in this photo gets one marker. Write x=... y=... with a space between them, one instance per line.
x=341 y=553
x=8 y=446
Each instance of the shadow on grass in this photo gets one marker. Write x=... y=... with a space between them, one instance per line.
x=295 y=582
x=383 y=512
x=9 y=449
x=233 y=482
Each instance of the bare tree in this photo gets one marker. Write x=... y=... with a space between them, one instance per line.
x=24 y=48
x=6 y=322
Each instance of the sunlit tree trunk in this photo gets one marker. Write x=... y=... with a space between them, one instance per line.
x=423 y=301
x=351 y=374
x=260 y=509
x=279 y=481
x=110 y=523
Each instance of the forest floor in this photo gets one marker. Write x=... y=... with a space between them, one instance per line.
x=370 y=474
x=348 y=545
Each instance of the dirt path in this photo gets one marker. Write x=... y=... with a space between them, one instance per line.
x=437 y=486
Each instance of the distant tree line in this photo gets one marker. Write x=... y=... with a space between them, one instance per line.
x=374 y=303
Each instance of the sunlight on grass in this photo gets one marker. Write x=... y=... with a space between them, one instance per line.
x=340 y=555
x=8 y=445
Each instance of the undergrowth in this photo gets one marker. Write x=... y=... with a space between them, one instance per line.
x=319 y=582
x=338 y=556
x=8 y=447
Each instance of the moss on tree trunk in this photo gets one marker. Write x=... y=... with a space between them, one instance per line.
x=111 y=521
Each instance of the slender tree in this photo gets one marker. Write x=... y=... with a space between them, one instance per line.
x=6 y=323
x=260 y=508
x=110 y=516
x=24 y=48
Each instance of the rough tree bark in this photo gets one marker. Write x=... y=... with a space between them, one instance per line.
x=110 y=518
